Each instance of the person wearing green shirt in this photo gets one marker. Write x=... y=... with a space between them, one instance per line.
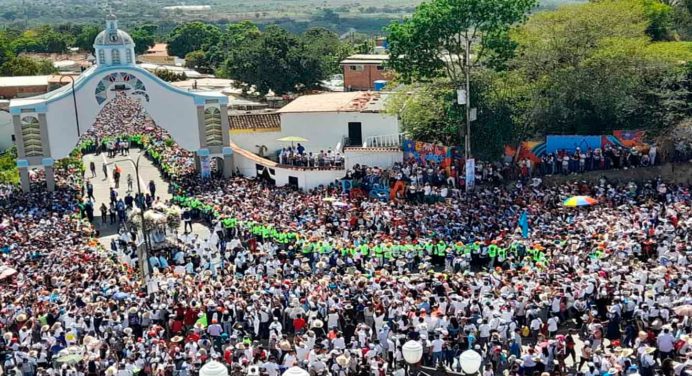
x=364 y=250
x=395 y=251
x=378 y=253
x=307 y=248
x=387 y=252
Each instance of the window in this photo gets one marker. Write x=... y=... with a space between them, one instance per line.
x=128 y=56
x=115 y=57
x=380 y=67
x=356 y=68
x=212 y=124
x=102 y=57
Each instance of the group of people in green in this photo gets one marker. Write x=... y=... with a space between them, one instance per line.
x=384 y=251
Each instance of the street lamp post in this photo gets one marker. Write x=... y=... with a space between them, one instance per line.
x=74 y=101
x=143 y=256
x=412 y=351
x=470 y=362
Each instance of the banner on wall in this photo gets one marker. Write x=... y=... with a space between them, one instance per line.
x=534 y=150
x=571 y=143
x=470 y=174
x=205 y=166
x=425 y=153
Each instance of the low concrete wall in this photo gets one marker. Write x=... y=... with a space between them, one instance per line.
x=678 y=173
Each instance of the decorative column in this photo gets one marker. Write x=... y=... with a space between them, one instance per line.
x=203 y=163
x=50 y=173
x=227 y=162
x=23 y=166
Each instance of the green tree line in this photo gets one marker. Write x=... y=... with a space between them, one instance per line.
x=266 y=60
x=56 y=39
x=579 y=69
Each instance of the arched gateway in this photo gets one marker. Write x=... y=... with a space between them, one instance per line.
x=48 y=127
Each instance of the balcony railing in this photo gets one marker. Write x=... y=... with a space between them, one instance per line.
x=384 y=141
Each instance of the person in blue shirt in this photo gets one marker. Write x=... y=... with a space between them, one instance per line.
x=154 y=262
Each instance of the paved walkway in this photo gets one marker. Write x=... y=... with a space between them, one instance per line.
x=102 y=184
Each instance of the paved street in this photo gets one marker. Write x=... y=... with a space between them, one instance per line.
x=102 y=184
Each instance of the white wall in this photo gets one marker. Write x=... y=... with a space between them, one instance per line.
x=172 y=110
x=307 y=179
x=382 y=159
x=248 y=141
x=326 y=129
x=6 y=131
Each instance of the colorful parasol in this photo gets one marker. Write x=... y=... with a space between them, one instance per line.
x=580 y=201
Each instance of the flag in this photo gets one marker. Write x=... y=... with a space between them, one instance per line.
x=524 y=223
x=203 y=321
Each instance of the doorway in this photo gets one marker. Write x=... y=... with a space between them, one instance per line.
x=355 y=134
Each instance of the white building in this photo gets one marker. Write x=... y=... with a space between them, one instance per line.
x=48 y=127
x=353 y=124
x=328 y=121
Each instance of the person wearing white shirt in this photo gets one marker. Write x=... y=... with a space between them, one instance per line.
x=535 y=327
x=437 y=354
x=289 y=359
x=552 y=326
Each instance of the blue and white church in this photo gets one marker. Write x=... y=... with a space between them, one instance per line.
x=48 y=127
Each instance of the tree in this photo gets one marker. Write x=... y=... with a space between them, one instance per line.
x=276 y=61
x=85 y=39
x=198 y=60
x=143 y=37
x=432 y=42
x=428 y=111
x=325 y=46
x=27 y=66
x=192 y=36
x=5 y=51
x=169 y=76
x=594 y=69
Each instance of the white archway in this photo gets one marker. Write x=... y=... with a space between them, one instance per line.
x=197 y=121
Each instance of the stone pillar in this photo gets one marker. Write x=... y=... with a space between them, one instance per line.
x=198 y=164
x=50 y=173
x=23 y=166
x=228 y=167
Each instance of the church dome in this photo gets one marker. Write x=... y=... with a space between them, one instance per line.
x=113 y=36
x=110 y=38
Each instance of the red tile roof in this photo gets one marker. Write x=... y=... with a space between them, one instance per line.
x=255 y=121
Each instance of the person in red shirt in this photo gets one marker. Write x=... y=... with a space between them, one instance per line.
x=192 y=336
x=177 y=326
x=298 y=324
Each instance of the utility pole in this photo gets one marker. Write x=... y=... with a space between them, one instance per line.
x=464 y=96
x=467 y=63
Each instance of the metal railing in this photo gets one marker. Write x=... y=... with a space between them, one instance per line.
x=384 y=141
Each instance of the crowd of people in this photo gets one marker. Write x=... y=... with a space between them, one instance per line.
x=611 y=278
x=298 y=156
x=337 y=283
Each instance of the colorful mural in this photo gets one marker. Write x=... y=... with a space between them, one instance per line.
x=534 y=150
x=425 y=153
x=127 y=80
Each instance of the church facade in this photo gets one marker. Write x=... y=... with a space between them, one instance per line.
x=48 y=127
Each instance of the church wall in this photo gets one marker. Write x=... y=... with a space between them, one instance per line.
x=170 y=109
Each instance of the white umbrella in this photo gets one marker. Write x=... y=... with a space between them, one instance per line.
x=6 y=271
x=213 y=368
x=296 y=371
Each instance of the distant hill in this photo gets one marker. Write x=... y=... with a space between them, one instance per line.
x=365 y=16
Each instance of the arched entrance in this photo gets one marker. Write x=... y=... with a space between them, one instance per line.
x=197 y=121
